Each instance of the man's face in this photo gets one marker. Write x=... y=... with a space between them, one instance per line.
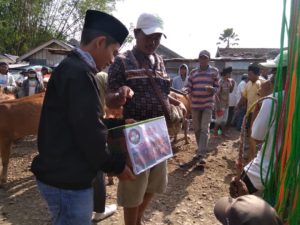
x=227 y=76
x=104 y=55
x=147 y=43
x=203 y=60
x=3 y=69
x=252 y=76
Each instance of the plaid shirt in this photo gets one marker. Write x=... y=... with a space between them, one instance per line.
x=131 y=69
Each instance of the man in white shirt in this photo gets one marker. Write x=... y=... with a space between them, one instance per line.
x=256 y=170
x=242 y=110
x=232 y=103
x=7 y=81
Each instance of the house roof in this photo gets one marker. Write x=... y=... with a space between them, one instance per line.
x=259 y=53
x=162 y=50
x=167 y=53
x=8 y=58
x=63 y=44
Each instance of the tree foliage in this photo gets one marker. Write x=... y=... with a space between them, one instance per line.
x=229 y=37
x=25 y=24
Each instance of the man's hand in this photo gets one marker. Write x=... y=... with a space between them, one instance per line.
x=210 y=89
x=117 y=99
x=129 y=121
x=125 y=92
x=237 y=188
x=126 y=174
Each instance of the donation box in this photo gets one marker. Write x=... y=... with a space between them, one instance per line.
x=146 y=143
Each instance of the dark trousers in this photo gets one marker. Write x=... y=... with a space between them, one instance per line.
x=230 y=116
x=239 y=117
x=250 y=186
x=99 y=192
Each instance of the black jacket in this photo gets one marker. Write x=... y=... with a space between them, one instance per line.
x=72 y=137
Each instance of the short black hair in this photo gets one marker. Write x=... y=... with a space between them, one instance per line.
x=254 y=67
x=44 y=68
x=244 y=76
x=226 y=70
x=3 y=64
x=90 y=34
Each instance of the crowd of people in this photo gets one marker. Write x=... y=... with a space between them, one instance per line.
x=72 y=137
x=29 y=82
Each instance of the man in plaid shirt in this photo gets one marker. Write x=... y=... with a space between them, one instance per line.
x=129 y=85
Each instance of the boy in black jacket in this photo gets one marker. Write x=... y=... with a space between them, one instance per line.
x=72 y=137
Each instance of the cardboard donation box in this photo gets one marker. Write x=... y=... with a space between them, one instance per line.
x=146 y=143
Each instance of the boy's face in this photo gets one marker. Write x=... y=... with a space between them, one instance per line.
x=104 y=55
x=182 y=71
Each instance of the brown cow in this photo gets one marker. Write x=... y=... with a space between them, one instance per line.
x=18 y=118
x=183 y=98
x=5 y=97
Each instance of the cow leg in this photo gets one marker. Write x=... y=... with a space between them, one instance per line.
x=185 y=126
x=5 y=153
x=175 y=138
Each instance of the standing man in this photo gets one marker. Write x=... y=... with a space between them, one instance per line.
x=133 y=70
x=72 y=137
x=31 y=86
x=203 y=83
x=226 y=85
x=249 y=96
x=180 y=81
x=7 y=81
x=242 y=109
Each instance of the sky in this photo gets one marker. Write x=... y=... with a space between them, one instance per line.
x=194 y=25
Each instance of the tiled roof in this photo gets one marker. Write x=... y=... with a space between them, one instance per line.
x=167 y=53
x=263 y=53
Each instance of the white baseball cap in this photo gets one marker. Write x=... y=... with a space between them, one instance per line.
x=275 y=62
x=150 y=24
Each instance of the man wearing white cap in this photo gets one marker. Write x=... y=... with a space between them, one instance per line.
x=131 y=72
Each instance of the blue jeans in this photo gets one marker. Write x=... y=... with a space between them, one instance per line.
x=68 y=207
x=239 y=118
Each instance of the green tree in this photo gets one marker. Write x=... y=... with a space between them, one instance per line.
x=229 y=37
x=28 y=23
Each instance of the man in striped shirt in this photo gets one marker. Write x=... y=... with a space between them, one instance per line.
x=202 y=85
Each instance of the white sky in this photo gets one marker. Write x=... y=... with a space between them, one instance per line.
x=193 y=25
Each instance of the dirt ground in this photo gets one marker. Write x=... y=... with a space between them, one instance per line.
x=189 y=199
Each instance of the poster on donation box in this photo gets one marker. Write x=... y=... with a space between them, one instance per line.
x=147 y=143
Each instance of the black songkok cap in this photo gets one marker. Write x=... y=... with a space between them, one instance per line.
x=226 y=70
x=96 y=20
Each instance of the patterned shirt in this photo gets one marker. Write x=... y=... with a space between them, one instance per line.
x=222 y=97
x=131 y=69
x=197 y=82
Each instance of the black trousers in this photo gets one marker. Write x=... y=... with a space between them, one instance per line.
x=230 y=116
x=250 y=186
x=99 y=192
